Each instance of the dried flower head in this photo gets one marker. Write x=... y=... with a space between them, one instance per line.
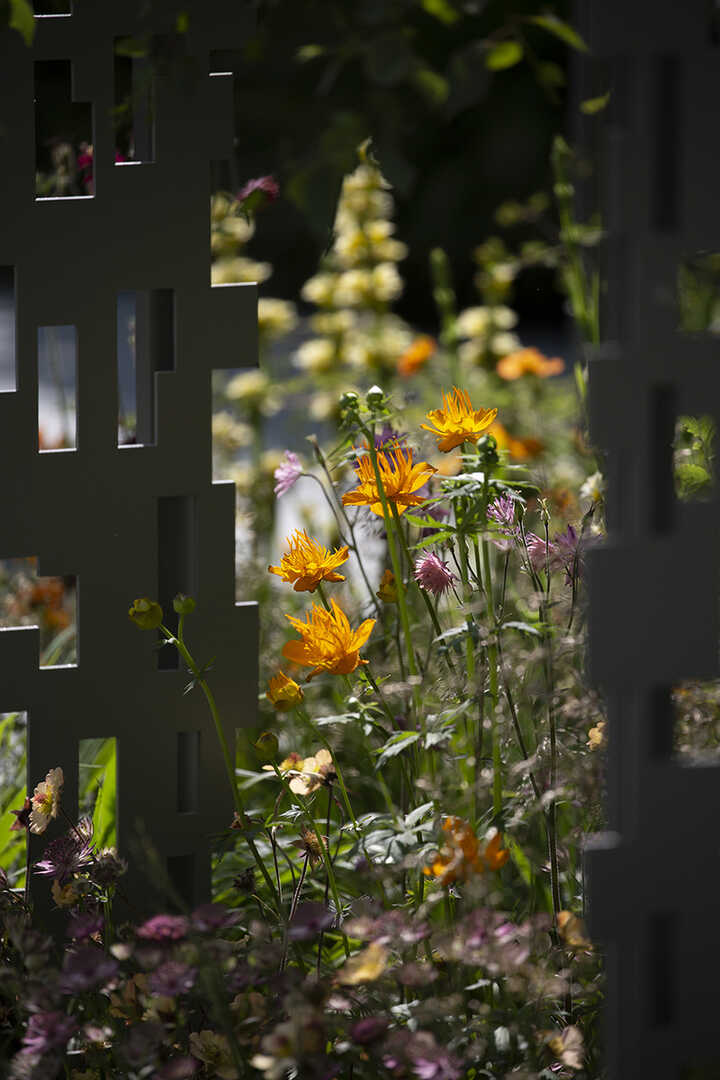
x=433 y=574
x=457 y=421
x=309 y=845
x=328 y=642
x=307 y=563
x=400 y=479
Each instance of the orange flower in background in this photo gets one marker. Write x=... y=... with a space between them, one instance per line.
x=519 y=449
x=328 y=642
x=457 y=422
x=528 y=362
x=460 y=856
x=400 y=479
x=306 y=564
x=416 y=355
x=283 y=693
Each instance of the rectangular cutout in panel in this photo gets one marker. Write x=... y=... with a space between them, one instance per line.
x=188 y=772
x=145 y=345
x=13 y=761
x=665 y=165
x=8 y=366
x=663 y=412
x=57 y=388
x=694 y=458
x=696 y=722
x=134 y=111
x=177 y=548
x=50 y=603
x=181 y=871
x=63 y=135
x=97 y=788
x=661 y=969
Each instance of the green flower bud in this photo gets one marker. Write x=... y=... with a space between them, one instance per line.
x=266 y=747
x=349 y=400
x=146 y=614
x=375 y=397
x=183 y=605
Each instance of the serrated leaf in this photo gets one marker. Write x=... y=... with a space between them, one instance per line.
x=504 y=55
x=595 y=104
x=395 y=745
x=416 y=815
x=22 y=20
x=559 y=29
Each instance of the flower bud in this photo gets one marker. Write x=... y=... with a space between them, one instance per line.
x=146 y=614
x=388 y=588
x=183 y=605
x=284 y=693
x=349 y=400
x=266 y=747
x=375 y=397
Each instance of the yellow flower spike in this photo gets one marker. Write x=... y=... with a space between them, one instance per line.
x=284 y=693
x=388 y=588
x=327 y=641
x=457 y=422
x=307 y=563
x=400 y=480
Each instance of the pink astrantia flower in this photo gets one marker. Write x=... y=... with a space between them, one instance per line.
x=541 y=553
x=163 y=928
x=432 y=574
x=287 y=473
x=266 y=185
x=502 y=512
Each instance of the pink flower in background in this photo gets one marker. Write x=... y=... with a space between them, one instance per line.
x=502 y=512
x=266 y=186
x=432 y=574
x=287 y=473
x=541 y=554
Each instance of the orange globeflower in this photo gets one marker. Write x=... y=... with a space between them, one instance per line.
x=306 y=564
x=460 y=855
x=528 y=362
x=416 y=355
x=519 y=449
x=328 y=643
x=457 y=422
x=400 y=478
x=283 y=693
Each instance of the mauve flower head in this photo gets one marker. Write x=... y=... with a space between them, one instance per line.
x=433 y=574
x=287 y=473
x=84 y=926
x=266 y=186
x=442 y=1066
x=67 y=854
x=541 y=553
x=213 y=917
x=86 y=968
x=164 y=928
x=47 y=1031
x=172 y=979
x=309 y=920
x=502 y=512
x=369 y=1029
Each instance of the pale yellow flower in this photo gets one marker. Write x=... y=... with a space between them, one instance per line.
x=365 y=966
x=46 y=801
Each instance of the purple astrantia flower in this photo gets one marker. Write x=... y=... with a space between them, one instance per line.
x=47 y=1031
x=369 y=1029
x=570 y=551
x=213 y=917
x=68 y=854
x=172 y=979
x=502 y=512
x=265 y=185
x=433 y=574
x=164 y=928
x=287 y=473
x=309 y=920
x=107 y=868
x=86 y=968
x=84 y=926
x=386 y=438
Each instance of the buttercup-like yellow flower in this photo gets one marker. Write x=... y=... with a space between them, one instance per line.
x=46 y=801
x=457 y=422
x=312 y=773
x=528 y=362
x=400 y=479
x=283 y=693
x=460 y=856
x=307 y=563
x=328 y=643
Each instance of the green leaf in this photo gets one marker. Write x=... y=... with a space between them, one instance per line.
x=436 y=538
x=550 y=74
x=692 y=480
x=434 y=88
x=523 y=627
x=595 y=104
x=504 y=55
x=521 y=861
x=22 y=19
x=442 y=10
x=395 y=745
x=415 y=816
x=422 y=523
x=559 y=29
